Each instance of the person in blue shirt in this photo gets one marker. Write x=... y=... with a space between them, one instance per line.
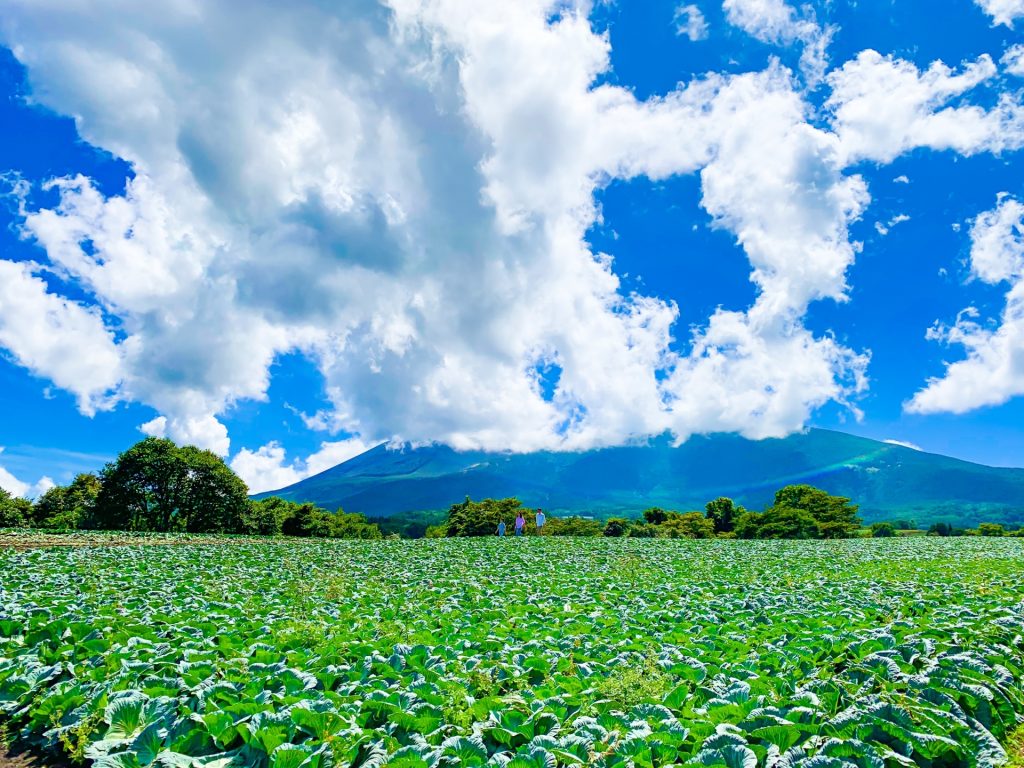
x=540 y=519
x=501 y=528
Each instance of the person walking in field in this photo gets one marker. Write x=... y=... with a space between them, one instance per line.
x=520 y=523
x=501 y=528
x=540 y=519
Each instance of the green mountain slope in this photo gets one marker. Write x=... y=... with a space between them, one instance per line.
x=888 y=481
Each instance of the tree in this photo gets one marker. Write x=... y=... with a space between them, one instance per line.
x=748 y=525
x=616 y=526
x=991 y=529
x=264 y=517
x=481 y=518
x=723 y=513
x=157 y=486
x=305 y=520
x=352 y=525
x=780 y=522
x=14 y=512
x=689 y=525
x=941 y=529
x=883 y=530
x=835 y=516
x=67 y=506
x=655 y=515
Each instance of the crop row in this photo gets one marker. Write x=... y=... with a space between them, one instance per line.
x=520 y=654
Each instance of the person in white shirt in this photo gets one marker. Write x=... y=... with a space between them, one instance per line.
x=540 y=518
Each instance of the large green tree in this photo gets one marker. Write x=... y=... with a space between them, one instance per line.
x=835 y=516
x=158 y=486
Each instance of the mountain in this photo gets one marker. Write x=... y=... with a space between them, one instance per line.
x=888 y=481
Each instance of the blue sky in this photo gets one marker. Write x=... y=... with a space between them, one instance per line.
x=508 y=228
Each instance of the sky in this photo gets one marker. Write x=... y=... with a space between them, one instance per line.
x=288 y=234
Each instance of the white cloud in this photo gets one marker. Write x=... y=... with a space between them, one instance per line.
x=883 y=228
x=19 y=488
x=266 y=469
x=1013 y=60
x=777 y=23
x=402 y=194
x=901 y=179
x=882 y=107
x=690 y=22
x=993 y=370
x=903 y=444
x=1002 y=11
x=56 y=337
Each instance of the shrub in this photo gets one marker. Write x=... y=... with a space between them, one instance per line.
x=616 y=526
x=882 y=530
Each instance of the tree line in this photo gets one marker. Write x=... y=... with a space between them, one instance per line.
x=798 y=512
x=159 y=486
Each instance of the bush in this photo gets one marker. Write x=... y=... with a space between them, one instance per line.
x=616 y=526
x=882 y=530
x=69 y=506
x=571 y=526
x=644 y=531
x=991 y=529
x=689 y=525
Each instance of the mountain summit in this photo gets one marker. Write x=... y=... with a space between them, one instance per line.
x=888 y=481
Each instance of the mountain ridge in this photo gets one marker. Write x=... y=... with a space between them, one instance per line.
x=888 y=480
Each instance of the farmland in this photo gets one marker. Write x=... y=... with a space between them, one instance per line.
x=524 y=653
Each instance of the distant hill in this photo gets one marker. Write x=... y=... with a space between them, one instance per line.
x=888 y=481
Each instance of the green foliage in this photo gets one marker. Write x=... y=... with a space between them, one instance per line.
x=616 y=526
x=158 y=486
x=295 y=519
x=14 y=512
x=882 y=530
x=481 y=518
x=801 y=512
x=655 y=515
x=688 y=525
x=572 y=526
x=723 y=513
x=644 y=531
x=559 y=653
x=991 y=529
x=65 y=507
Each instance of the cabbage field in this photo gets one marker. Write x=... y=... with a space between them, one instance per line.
x=516 y=653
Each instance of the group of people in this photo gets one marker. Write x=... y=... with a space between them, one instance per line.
x=521 y=522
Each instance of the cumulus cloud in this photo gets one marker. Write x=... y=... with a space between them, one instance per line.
x=993 y=370
x=1002 y=11
x=690 y=21
x=267 y=468
x=882 y=107
x=1013 y=60
x=20 y=488
x=777 y=23
x=402 y=192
